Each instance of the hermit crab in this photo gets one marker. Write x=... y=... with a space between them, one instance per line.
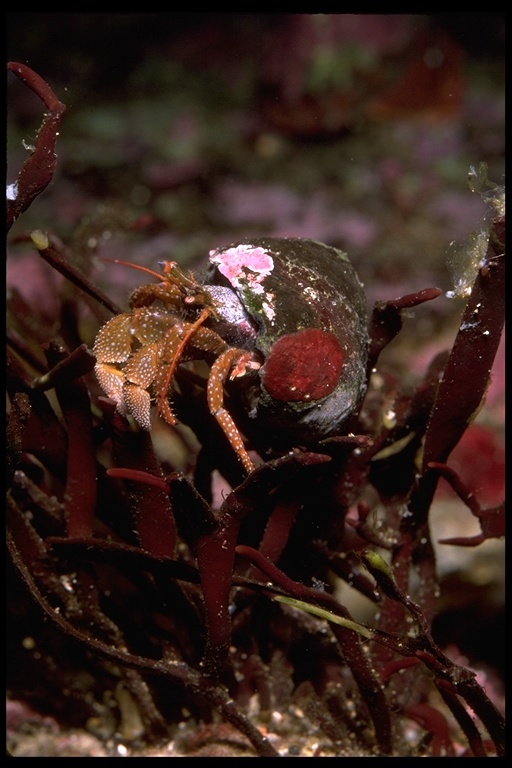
x=284 y=318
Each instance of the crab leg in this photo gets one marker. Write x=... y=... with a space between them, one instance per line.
x=219 y=372
x=163 y=406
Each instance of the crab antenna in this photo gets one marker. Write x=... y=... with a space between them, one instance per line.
x=151 y=272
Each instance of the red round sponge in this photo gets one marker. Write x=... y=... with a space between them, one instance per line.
x=303 y=366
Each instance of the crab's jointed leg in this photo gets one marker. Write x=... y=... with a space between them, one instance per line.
x=163 y=403
x=232 y=360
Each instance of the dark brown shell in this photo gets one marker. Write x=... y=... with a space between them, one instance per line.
x=286 y=286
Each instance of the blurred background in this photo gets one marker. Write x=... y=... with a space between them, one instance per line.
x=356 y=130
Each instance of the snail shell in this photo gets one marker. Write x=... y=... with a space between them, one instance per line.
x=301 y=306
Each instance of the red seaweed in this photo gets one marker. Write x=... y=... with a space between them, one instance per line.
x=140 y=572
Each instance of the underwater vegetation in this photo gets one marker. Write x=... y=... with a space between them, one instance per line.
x=187 y=486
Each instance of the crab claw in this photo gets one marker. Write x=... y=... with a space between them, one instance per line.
x=137 y=402
x=111 y=380
x=113 y=342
